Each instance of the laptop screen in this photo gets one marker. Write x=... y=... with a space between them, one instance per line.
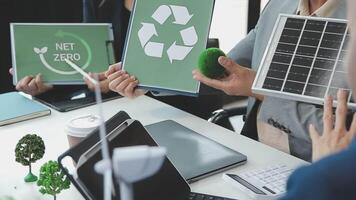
x=166 y=184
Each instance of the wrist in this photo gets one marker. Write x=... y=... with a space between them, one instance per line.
x=251 y=93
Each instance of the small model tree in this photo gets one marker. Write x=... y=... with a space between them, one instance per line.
x=52 y=179
x=28 y=150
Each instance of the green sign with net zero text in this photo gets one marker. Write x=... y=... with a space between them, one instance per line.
x=164 y=42
x=43 y=49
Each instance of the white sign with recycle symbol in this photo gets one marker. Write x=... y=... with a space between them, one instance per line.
x=175 y=51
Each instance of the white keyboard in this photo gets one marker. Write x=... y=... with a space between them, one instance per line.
x=262 y=184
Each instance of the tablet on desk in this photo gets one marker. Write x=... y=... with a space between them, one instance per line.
x=194 y=155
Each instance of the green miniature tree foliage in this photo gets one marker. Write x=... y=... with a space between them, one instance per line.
x=52 y=179
x=28 y=150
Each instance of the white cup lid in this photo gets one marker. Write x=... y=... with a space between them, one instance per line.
x=83 y=125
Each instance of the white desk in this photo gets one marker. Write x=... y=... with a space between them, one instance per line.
x=147 y=110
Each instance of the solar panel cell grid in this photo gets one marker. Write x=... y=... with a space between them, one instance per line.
x=303 y=61
x=339 y=80
x=328 y=53
x=308 y=58
x=306 y=51
x=293 y=87
x=299 y=74
x=310 y=38
x=278 y=71
x=315 y=91
x=347 y=39
x=313 y=25
x=324 y=64
x=294 y=23
x=282 y=58
x=320 y=77
x=333 y=92
x=273 y=84
x=336 y=27
x=286 y=48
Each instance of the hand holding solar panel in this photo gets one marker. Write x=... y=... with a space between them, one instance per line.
x=238 y=80
x=305 y=60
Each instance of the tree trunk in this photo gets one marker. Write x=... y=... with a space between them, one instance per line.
x=30 y=167
x=54 y=197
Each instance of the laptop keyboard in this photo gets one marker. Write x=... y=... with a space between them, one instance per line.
x=198 y=196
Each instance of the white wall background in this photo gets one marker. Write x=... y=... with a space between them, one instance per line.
x=230 y=22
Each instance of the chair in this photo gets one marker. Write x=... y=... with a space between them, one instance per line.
x=250 y=127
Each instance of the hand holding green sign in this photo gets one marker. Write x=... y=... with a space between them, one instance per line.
x=165 y=40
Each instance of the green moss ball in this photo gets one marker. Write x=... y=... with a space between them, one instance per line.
x=208 y=63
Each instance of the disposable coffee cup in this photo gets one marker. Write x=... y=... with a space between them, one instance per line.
x=80 y=127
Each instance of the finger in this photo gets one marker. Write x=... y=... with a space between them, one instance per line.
x=39 y=82
x=104 y=86
x=115 y=75
x=328 y=114
x=101 y=76
x=89 y=84
x=353 y=126
x=113 y=68
x=217 y=84
x=314 y=135
x=87 y=81
x=115 y=83
x=341 y=111
x=123 y=85
x=45 y=85
x=229 y=64
x=23 y=85
x=130 y=89
x=32 y=86
x=98 y=76
x=11 y=71
x=19 y=85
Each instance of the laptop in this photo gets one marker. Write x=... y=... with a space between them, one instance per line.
x=64 y=99
x=194 y=155
x=166 y=184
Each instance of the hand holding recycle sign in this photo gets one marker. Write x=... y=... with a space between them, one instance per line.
x=175 y=51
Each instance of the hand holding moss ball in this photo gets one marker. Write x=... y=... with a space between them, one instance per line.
x=209 y=65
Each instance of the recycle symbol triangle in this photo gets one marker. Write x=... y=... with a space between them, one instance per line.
x=175 y=51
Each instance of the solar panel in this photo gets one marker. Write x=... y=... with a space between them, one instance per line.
x=305 y=60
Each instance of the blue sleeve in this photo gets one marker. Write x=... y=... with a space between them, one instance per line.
x=243 y=51
x=330 y=178
x=305 y=183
